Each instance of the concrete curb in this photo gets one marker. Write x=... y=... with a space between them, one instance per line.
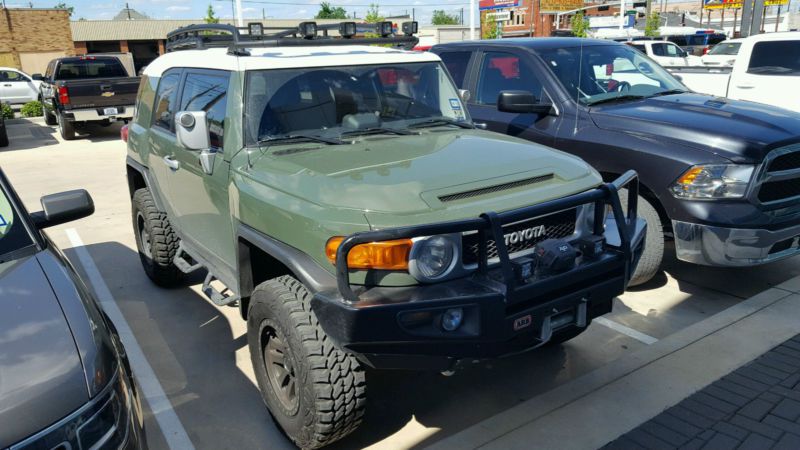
x=596 y=408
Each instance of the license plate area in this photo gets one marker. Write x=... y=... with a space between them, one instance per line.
x=110 y=111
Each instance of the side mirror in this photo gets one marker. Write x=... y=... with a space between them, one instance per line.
x=63 y=207
x=677 y=77
x=37 y=77
x=464 y=95
x=645 y=68
x=191 y=132
x=522 y=102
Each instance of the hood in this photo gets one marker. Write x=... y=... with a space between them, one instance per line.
x=407 y=175
x=41 y=376
x=743 y=132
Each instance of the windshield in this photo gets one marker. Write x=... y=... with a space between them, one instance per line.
x=608 y=72
x=13 y=234
x=723 y=48
x=332 y=101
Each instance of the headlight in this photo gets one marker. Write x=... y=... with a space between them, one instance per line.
x=713 y=181
x=432 y=258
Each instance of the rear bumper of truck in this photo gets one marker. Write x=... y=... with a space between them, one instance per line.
x=502 y=313
x=99 y=115
x=721 y=246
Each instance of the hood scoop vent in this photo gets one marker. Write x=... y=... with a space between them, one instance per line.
x=495 y=188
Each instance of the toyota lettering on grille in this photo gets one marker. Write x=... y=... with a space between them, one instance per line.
x=527 y=234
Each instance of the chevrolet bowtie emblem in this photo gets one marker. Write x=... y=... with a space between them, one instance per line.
x=107 y=94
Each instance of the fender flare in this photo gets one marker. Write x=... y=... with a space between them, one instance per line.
x=149 y=182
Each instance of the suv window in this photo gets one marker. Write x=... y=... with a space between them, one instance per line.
x=166 y=99
x=457 y=64
x=90 y=68
x=659 y=50
x=504 y=72
x=775 y=58
x=205 y=92
x=10 y=75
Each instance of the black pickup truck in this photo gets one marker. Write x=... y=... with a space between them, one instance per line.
x=85 y=89
x=720 y=177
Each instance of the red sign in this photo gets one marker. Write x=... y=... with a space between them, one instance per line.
x=497 y=4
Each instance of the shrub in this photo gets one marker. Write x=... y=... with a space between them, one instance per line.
x=31 y=109
x=6 y=111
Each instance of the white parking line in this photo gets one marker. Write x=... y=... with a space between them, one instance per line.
x=165 y=416
x=630 y=332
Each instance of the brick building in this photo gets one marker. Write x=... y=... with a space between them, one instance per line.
x=31 y=37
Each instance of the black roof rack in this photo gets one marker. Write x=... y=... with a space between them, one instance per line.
x=306 y=34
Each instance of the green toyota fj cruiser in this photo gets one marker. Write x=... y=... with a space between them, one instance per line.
x=340 y=196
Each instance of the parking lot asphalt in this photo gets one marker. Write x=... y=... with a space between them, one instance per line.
x=198 y=352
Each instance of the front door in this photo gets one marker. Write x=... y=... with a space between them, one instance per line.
x=200 y=198
x=160 y=139
x=16 y=87
x=502 y=71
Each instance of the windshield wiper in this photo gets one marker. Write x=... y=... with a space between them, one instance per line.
x=616 y=99
x=669 y=92
x=441 y=121
x=379 y=130
x=300 y=137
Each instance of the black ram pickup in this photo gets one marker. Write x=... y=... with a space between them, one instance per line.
x=86 y=89
x=720 y=177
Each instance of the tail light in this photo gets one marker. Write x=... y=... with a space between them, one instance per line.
x=63 y=95
x=123 y=133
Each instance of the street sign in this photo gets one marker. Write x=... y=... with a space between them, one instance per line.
x=546 y=6
x=500 y=16
x=497 y=4
x=737 y=4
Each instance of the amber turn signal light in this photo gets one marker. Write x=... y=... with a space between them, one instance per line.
x=383 y=255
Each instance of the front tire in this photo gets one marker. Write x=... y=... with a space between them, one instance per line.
x=49 y=116
x=315 y=391
x=155 y=239
x=653 y=254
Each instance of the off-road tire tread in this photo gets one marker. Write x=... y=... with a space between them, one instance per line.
x=164 y=240
x=339 y=381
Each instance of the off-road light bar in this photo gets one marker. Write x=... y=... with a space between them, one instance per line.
x=255 y=29
x=410 y=28
x=307 y=30
x=385 y=29
x=347 y=29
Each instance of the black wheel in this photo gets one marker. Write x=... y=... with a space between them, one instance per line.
x=49 y=116
x=155 y=239
x=3 y=135
x=315 y=391
x=653 y=253
x=66 y=128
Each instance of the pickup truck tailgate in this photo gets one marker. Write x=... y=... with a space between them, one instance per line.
x=99 y=92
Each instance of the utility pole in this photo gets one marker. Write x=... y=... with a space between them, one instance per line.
x=128 y=11
x=622 y=15
x=461 y=21
x=239 y=18
x=471 y=20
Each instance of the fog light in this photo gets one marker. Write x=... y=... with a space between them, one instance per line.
x=451 y=319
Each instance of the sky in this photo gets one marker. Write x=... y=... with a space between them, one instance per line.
x=279 y=9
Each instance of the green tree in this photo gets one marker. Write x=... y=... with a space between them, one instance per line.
x=580 y=25
x=442 y=18
x=210 y=16
x=652 y=25
x=491 y=30
x=70 y=9
x=327 y=11
x=373 y=14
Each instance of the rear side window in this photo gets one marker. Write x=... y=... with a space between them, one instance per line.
x=166 y=99
x=678 y=40
x=206 y=92
x=90 y=68
x=775 y=58
x=457 y=64
x=504 y=72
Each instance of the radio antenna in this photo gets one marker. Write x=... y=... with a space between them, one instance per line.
x=578 y=94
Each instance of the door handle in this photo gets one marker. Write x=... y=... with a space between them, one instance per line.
x=481 y=125
x=7 y=85
x=745 y=86
x=171 y=163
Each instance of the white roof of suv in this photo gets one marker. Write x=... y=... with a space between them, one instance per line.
x=285 y=58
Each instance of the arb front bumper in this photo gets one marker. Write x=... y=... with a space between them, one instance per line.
x=502 y=308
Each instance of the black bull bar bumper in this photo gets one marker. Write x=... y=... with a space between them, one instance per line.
x=400 y=327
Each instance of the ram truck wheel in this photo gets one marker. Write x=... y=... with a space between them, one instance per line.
x=653 y=254
x=156 y=241
x=315 y=391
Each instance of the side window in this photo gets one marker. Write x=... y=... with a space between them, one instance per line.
x=457 y=64
x=10 y=75
x=166 y=99
x=658 y=49
x=205 y=92
x=775 y=58
x=504 y=72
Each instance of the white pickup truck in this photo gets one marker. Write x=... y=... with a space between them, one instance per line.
x=666 y=53
x=766 y=70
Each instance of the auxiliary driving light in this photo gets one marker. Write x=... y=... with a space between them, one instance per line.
x=308 y=30
x=410 y=28
x=385 y=29
x=451 y=319
x=255 y=29
x=347 y=29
